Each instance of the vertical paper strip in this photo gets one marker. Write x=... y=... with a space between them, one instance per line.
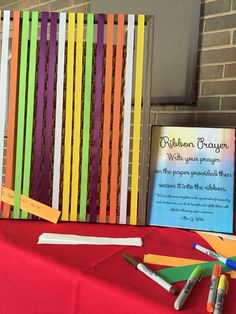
x=40 y=106
x=1 y=203
x=106 y=118
x=3 y=86
x=137 y=120
x=77 y=117
x=146 y=129
x=21 y=113
x=59 y=109
x=10 y=153
x=86 y=117
x=127 y=115
x=30 y=108
x=49 y=110
x=116 y=120
x=97 y=122
x=68 y=119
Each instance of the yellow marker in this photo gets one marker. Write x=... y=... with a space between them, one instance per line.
x=222 y=290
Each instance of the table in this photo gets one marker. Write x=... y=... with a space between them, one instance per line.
x=71 y=279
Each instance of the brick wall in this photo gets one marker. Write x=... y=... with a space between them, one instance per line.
x=44 y=5
x=216 y=72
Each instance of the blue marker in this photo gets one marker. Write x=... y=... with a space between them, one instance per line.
x=227 y=261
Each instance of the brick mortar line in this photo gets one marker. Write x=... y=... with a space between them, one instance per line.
x=210 y=16
x=208 y=96
x=60 y=9
x=73 y=6
x=197 y=111
x=219 y=111
x=220 y=95
x=218 y=31
x=232 y=37
x=216 y=47
x=7 y=5
x=207 y=1
x=215 y=63
x=223 y=64
x=223 y=79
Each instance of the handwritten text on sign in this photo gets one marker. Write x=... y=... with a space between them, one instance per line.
x=31 y=206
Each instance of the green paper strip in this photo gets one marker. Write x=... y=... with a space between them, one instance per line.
x=30 y=107
x=86 y=119
x=21 y=113
x=181 y=273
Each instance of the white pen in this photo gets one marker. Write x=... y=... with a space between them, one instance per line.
x=195 y=276
x=221 y=292
x=148 y=272
x=227 y=261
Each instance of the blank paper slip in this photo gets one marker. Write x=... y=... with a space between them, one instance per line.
x=56 y=238
x=72 y=112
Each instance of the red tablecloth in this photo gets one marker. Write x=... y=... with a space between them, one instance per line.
x=83 y=279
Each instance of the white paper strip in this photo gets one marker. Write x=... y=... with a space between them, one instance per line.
x=59 y=109
x=3 y=86
x=127 y=114
x=57 y=238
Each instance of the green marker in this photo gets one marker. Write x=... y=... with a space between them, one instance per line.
x=195 y=276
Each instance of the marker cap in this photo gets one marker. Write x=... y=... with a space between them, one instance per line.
x=131 y=260
x=231 y=263
x=216 y=270
x=197 y=273
x=210 y=307
x=223 y=283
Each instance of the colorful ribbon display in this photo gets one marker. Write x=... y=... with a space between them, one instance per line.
x=69 y=131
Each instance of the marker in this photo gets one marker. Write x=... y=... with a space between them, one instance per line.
x=228 y=262
x=195 y=276
x=148 y=272
x=221 y=292
x=216 y=272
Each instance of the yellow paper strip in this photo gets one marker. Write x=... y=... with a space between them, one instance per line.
x=137 y=121
x=77 y=117
x=68 y=119
x=31 y=206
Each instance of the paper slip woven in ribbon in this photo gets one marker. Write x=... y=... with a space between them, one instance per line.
x=57 y=238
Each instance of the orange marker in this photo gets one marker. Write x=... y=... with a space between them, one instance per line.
x=216 y=272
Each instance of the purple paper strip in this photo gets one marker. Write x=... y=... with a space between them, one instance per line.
x=97 y=122
x=40 y=107
x=49 y=110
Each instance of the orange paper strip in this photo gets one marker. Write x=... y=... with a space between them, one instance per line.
x=116 y=119
x=106 y=118
x=223 y=246
x=31 y=206
x=12 y=110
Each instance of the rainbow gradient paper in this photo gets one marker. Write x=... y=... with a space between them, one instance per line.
x=192 y=178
